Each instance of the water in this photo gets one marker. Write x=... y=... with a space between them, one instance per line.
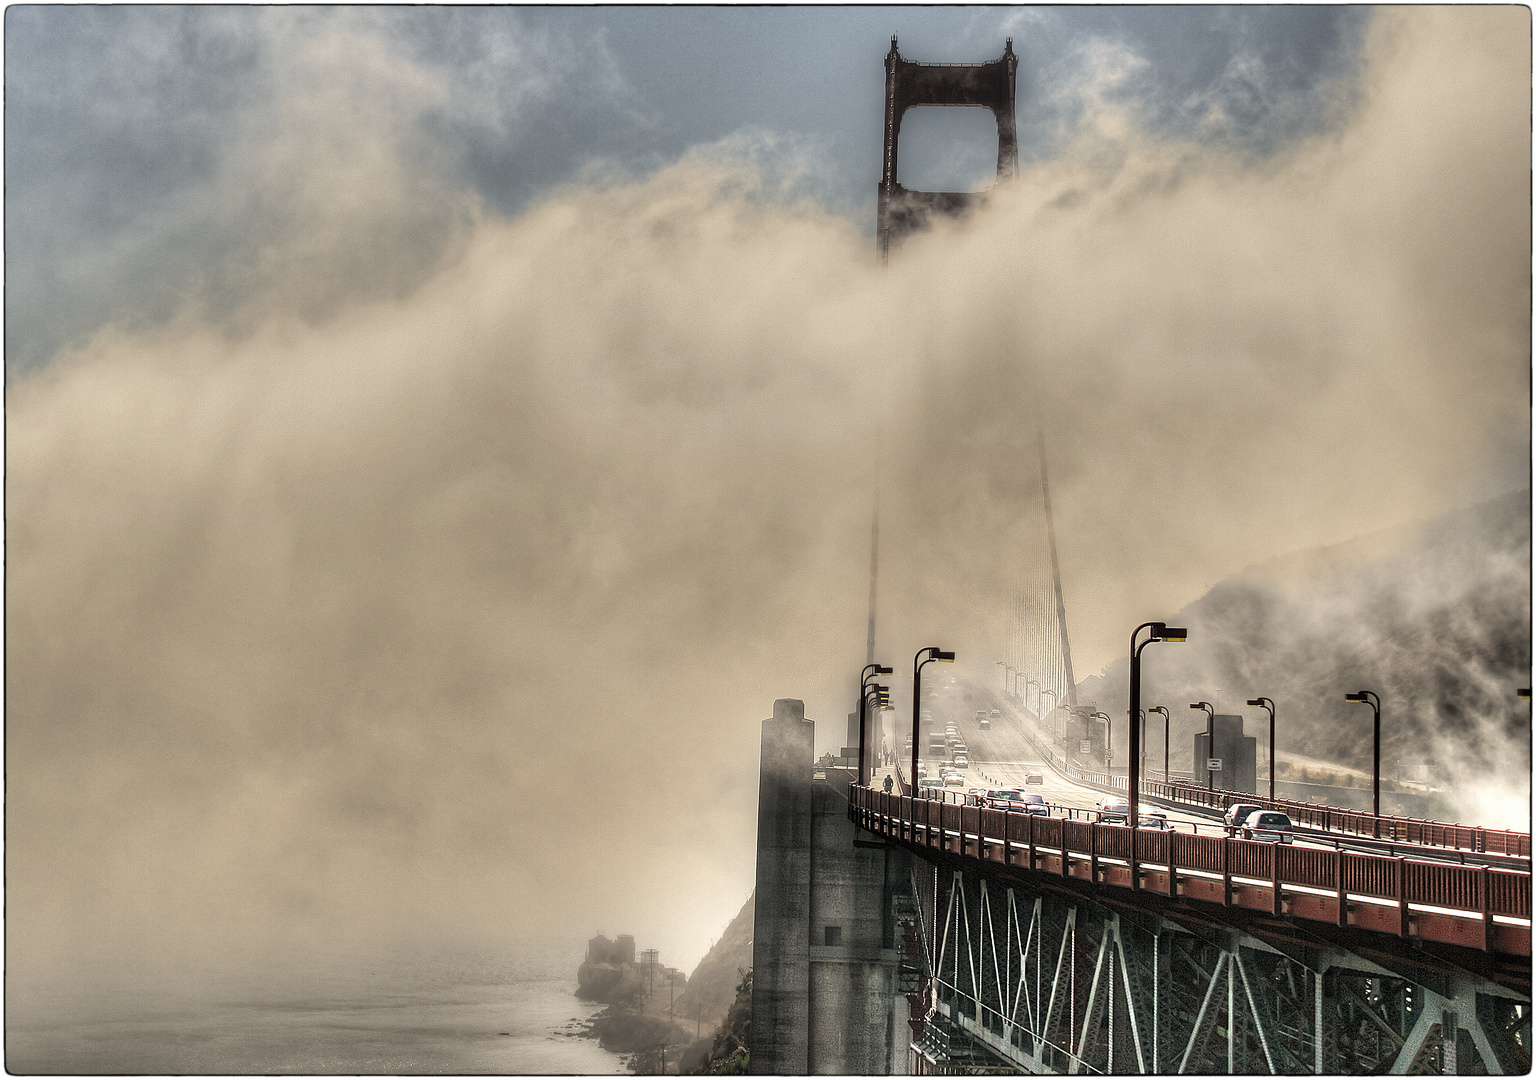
x=438 y=1011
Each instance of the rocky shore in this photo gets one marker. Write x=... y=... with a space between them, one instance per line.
x=662 y=1021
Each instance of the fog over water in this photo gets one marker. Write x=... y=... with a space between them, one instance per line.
x=425 y=570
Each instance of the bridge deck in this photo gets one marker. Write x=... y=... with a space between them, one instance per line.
x=1474 y=906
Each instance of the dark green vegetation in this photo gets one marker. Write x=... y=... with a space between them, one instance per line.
x=728 y=1053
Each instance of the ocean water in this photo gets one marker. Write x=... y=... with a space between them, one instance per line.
x=446 y=1011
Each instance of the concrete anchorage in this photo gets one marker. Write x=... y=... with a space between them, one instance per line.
x=828 y=984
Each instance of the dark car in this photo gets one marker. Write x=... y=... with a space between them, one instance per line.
x=1236 y=814
x=1114 y=812
x=1155 y=819
x=1269 y=826
x=1035 y=804
x=1034 y=778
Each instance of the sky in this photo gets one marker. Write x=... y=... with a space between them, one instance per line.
x=436 y=436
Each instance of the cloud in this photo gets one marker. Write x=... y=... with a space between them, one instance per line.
x=432 y=571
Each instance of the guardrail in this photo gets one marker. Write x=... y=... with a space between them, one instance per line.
x=1331 y=819
x=1473 y=906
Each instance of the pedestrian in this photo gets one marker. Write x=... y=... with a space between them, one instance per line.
x=887 y=784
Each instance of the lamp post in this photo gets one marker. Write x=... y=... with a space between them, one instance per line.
x=1004 y=666
x=1044 y=714
x=869 y=671
x=1365 y=697
x=1159 y=632
x=1027 y=684
x=1012 y=681
x=1164 y=710
x=1104 y=716
x=1269 y=706
x=1142 y=717
x=917 y=694
x=1210 y=739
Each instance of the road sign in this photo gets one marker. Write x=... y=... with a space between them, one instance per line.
x=1213 y=764
x=1087 y=747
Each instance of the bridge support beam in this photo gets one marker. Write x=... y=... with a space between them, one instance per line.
x=1092 y=983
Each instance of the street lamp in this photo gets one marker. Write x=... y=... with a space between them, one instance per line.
x=1365 y=697
x=1164 y=710
x=1027 y=684
x=1210 y=740
x=869 y=671
x=882 y=700
x=1004 y=666
x=1107 y=750
x=1268 y=705
x=917 y=694
x=1158 y=632
x=1044 y=714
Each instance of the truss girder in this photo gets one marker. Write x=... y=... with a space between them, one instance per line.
x=1052 y=981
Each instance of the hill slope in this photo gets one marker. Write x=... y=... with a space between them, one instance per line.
x=1434 y=616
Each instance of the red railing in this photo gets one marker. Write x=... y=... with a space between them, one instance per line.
x=1433 y=901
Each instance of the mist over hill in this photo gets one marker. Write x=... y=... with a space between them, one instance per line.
x=1434 y=616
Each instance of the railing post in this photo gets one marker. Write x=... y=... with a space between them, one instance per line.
x=1484 y=881
x=1030 y=850
x=1338 y=867
x=1402 y=897
x=1173 y=864
x=1093 y=853
x=1226 y=872
x=1274 y=874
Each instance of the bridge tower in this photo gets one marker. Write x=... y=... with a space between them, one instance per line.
x=909 y=84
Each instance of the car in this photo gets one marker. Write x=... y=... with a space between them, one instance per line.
x=1035 y=804
x=1013 y=799
x=1114 y=811
x=954 y=780
x=981 y=714
x=962 y=762
x=1155 y=819
x=927 y=786
x=1033 y=778
x=997 y=714
x=1269 y=826
x=1236 y=814
x=985 y=723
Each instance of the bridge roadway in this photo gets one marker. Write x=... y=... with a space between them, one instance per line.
x=1000 y=758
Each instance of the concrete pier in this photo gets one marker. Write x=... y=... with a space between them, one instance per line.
x=824 y=951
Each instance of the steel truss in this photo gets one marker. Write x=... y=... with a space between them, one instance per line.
x=1047 y=981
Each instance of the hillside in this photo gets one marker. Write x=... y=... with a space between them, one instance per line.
x=712 y=986
x=1433 y=616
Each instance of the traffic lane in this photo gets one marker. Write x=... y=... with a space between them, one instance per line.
x=1001 y=757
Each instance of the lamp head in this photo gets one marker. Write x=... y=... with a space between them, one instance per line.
x=882 y=670
x=1355 y=697
x=1255 y=702
x=1170 y=633
x=944 y=657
